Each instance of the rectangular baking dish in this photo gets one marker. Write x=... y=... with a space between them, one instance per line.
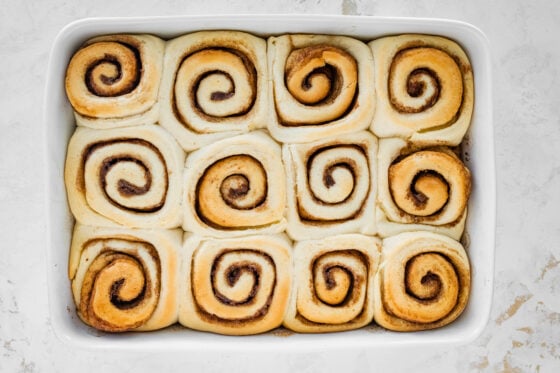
x=479 y=157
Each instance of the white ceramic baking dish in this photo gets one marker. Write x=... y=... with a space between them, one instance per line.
x=59 y=125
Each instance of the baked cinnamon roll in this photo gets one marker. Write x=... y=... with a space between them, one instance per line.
x=331 y=186
x=214 y=86
x=423 y=282
x=321 y=86
x=127 y=176
x=333 y=284
x=235 y=187
x=113 y=81
x=424 y=88
x=125 y=279
x=421 y=189
x=235 y=286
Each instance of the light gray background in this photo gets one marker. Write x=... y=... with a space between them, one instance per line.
x=523 y=333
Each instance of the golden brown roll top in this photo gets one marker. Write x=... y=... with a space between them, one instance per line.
x=424 y=89
x=235 y=286
x=235 y=187
x=321 y=75
x=423 y=282
x=333 y=284
x=125 y=176
x=214 y=86
x=113 y=81
x=424 y=182
x=331 y=186
x=421 y=189
x=321 y=86
x=125 y=279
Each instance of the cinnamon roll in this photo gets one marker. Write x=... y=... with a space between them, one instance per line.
x=424 y=88
x=113 y=81
x=321 y=86
x=235 y=286
x=423 y=282
x=125 y=279
x=333 y=284
x=214 y=86
x=127 y=176
x=331 y=186
x=421 y=189
x=235 y=187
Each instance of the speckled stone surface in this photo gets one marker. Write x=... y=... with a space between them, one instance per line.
x=523 y=334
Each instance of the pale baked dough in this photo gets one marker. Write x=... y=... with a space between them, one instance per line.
x=331 y=186
x=130 y=176
x=113 y=81
x=411 y=180
x=214 y=86
x=333 y=283
x=125 y=279
x=321 y=86
x=423 y=282
x=235 y=187
x=424 y=89
x=236 y=286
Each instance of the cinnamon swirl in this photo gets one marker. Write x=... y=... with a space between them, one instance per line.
x=125 y=279
x=214 y=86
x=333 y=284
x=127 y=176
x=424 y=88
x=321 y=86
x=331 y=186
x=235 y=187
x=113 y=81
x=421 y=189
x=235 y=286
x=423 y=282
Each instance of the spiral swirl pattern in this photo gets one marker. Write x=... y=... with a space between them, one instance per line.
x=236 y=278
x=113 y=81
x=424 y=281
x=214 y=86
x=333 y=185
x=323 y=77
x=235 y=186
x=126 y=176
x=338 y=175
x=424 y=78
x=237 y=286
x=240 y=182
x=425 y=89
x=215 y=83
x=320 y=86
x=421 y=189
x=333 y=283
x=113 y=68
x=117 y=294
x=430 y=185
x=120 y=278
x=339 y=280
x=130 y=173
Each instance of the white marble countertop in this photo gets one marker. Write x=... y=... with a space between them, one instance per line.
x=523 y=334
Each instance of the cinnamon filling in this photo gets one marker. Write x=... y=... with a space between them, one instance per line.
x=232 y=274
x=219 y=95
x=420 y=199
x=125 y=188
x=115 y=64
x=340 y=178
x=235 y=183
x=118 y=292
